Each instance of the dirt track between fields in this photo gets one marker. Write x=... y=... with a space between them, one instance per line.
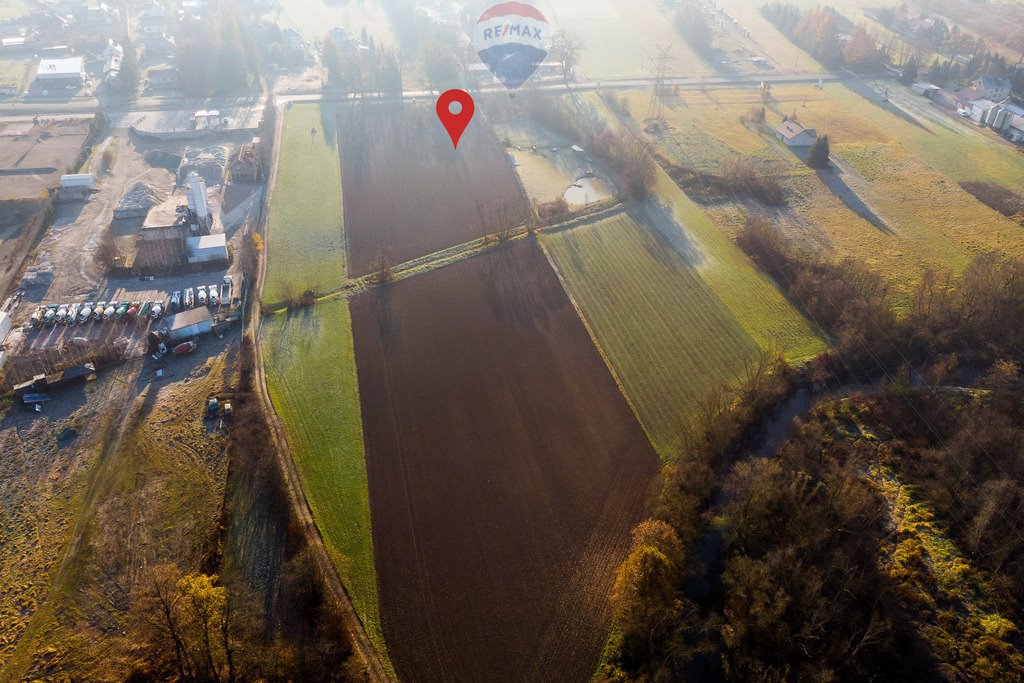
x=293 y=484
x=505 y=469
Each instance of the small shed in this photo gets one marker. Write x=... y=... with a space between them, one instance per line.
x=207 y=248
x=926 y=89
x=188 y=324
x=83 y=372
x=82 y=181
x=794 y=135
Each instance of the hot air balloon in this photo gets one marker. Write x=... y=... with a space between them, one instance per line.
x=511 y=39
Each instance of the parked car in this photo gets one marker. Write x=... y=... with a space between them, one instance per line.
x=176 y=300
x=190 y=298
x=187 y=347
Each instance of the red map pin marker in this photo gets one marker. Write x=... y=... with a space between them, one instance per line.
x=455 y=122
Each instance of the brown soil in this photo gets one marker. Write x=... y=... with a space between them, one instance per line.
x=407 y=192
x=505 y=471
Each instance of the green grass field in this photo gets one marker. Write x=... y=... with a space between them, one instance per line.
x=12 y=72
x=305 y=228
x=311 y=376
x=678 y=311
x=654 y=317
x=755 y=302
x=959 y=149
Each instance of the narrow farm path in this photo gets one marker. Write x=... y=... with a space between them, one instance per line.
x=376 y=670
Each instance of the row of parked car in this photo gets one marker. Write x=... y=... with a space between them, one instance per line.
x=101 y=311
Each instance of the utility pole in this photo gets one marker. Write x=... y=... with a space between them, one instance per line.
x=660 y=69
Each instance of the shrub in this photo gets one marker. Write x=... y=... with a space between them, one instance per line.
x=551 y=212
x=106 y=252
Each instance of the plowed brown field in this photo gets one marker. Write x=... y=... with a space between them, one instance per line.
x=505 y=471
x=408 y=193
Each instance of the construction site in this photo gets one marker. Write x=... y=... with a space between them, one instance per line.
x=142 y=220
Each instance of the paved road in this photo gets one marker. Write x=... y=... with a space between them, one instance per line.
x=26 y=109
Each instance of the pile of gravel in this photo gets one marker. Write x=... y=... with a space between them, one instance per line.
x=162 y=158
x=208 y=162
x=137 y=201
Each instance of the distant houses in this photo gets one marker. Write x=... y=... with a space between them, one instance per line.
x=792 y=134
x=986 y=88
x=1003 y=117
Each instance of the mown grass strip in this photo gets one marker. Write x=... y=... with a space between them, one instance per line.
x=305 y=227
x=311 y=376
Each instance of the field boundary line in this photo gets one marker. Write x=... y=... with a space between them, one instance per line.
x=437 y=260
x=599 y=347
x=375 y=669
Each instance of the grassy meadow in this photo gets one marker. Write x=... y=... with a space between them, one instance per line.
x=677 y=310
x=676 y=307
x=618 y=41
x=891 y=200
x=305 y=228
x=12 y=72
x=153 y=496
x=311 y=376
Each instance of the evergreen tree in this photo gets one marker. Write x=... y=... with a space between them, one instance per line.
x=908 y=76
x=128 y=78
x=818 y=156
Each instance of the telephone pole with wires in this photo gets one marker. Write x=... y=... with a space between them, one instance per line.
x=655 y=110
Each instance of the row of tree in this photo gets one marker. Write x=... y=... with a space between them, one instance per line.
x=774 y=568
x=820 y=31
x=695 y=26
x=218 y=54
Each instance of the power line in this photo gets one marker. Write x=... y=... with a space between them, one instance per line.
x=656 y=107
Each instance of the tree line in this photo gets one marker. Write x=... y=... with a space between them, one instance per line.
x=787 y=566
x=826 y=34
x=216 y=55
x=211 y=623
